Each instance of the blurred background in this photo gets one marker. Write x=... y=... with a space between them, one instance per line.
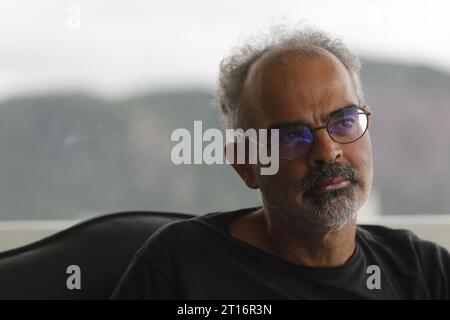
x=90 y=92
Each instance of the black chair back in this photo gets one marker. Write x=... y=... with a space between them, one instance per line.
x=101 y=247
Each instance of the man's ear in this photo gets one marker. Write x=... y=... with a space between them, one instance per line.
x=245 y=170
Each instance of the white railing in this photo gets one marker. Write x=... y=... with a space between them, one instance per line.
x=18 y=233
x=435 y=228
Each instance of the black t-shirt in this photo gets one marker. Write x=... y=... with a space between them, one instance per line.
x=198 y=259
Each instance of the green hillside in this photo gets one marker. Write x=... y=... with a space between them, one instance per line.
x=74 y=155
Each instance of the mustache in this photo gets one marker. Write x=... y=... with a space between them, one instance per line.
x=319 y=176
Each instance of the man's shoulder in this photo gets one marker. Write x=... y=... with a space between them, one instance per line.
x=385 y=234
x=410 y=259
x=184 y=235
x=400 y=241
x=197 y=227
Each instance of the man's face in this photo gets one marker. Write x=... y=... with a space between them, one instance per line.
x=308 y=89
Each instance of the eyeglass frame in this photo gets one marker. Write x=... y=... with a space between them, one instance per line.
x=364 y=110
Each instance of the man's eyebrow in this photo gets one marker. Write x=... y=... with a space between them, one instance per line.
x=285 y=124
x=282 y=125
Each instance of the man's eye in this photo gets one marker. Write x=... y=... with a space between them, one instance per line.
x=294 y=135
x=347 y=122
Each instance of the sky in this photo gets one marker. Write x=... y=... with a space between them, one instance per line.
x=118 y=48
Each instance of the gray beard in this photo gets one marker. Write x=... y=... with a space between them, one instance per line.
x=329 y=210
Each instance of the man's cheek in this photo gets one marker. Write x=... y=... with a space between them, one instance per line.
x=366 y=167
x=365 y=154
x=286 y=183
x=274 y=182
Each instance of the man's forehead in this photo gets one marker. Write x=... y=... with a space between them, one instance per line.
x=312 y=88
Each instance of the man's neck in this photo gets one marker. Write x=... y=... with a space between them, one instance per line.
x=307 y=246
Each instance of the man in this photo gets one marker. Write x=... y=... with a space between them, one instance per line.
x=303 y=242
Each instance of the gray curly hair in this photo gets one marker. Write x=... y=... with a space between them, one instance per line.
x=279 y=38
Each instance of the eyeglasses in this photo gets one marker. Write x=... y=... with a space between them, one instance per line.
x=344 y=126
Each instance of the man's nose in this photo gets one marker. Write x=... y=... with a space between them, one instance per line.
x=325 y=150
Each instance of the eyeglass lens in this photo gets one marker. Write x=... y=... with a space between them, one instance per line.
x=345 y=126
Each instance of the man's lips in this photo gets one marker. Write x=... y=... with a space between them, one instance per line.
x=331 y=184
